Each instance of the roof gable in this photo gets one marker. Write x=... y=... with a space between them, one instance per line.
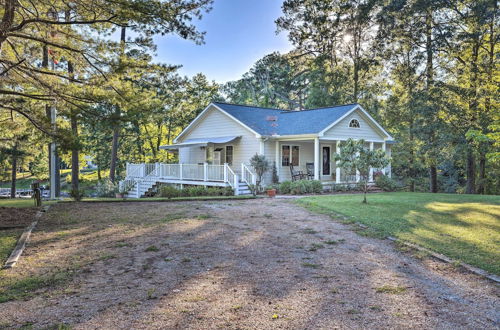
x=268 y=121
x=286 y=122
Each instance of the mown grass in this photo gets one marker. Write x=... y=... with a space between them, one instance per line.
x=463 y=227
x=21 y=202
x=26 y=287
x=8 y=240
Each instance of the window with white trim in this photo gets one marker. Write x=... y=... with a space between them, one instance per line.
x=290 y=155
x=354 y=123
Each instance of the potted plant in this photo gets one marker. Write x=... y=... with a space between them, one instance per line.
x=271 y=192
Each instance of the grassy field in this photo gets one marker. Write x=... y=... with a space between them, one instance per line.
x=17 y=202
x=463 y=227
x=8 y=239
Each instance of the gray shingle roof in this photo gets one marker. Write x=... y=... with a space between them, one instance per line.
x=287 y=122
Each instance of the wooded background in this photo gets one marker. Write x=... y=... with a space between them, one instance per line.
x=426 y=70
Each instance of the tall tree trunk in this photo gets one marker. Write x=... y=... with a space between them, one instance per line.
x=429 y=74
x=99 y=177
x=433 y=179
x=116 y=126
x=412 y=160
x=14 y=172
x=482 y=173
x=470 y=172
x=114 y=152
x=75 y=161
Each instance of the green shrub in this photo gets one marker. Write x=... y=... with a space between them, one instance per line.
x=316 y=186
x=299 y=187
x=285 y=187
x=77 y=194
x=106 y=188
x=273 y=186
x=385 y=183
x=169 y=191
x=194 y=191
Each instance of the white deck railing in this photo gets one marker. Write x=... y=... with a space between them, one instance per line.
x=185 y=172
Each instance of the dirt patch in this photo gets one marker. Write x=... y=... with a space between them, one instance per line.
x=232 y=264
x=11 y=217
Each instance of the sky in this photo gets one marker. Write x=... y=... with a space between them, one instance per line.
x=238 y=33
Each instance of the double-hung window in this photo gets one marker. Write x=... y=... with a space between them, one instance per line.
x=290 y=155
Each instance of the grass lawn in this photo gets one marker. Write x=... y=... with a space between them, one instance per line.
x=21 y=202
x=463 y=227
x=8 y=239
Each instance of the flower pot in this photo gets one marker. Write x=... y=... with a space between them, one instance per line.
x=271 y=192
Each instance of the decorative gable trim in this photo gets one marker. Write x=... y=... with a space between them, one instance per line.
x=348 y=113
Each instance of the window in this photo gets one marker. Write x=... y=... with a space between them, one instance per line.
x=290 y=155
x=354 y=123
x=229 y=155
x=295 y=155
x=285 y=155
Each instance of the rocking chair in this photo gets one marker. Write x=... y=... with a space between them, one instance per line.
x=296 y=174
x=310 y=171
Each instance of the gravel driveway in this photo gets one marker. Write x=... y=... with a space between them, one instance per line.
x=256 y=264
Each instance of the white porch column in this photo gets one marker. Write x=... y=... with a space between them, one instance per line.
x=370 y=177
x=337 y=168
x=225 y=171
x=205 y=171
x=316 y=158
x=358 y=176
x=180 y=171
x=384 y=147
x=127 y=171
x=277 y=157
x=261 y=147
x=389 y=167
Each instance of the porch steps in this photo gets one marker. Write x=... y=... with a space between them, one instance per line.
x=243 y=188
x=144 y=187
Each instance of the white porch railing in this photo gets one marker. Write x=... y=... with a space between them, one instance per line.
x=186 y=172
x=247 y=176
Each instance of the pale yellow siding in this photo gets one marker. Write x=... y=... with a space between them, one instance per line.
x=367 y=131
x=217 y=124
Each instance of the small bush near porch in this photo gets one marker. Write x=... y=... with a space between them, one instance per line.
x=171 y=191
x=463 y=227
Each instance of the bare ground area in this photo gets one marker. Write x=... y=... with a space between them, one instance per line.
x=232 y=264
x=11 y=217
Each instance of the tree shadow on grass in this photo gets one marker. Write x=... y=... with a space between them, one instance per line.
x=207 y=269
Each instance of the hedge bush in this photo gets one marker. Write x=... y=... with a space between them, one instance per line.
x=385 y=183
x=300 y=187
x=106 y=188
x=170 y=191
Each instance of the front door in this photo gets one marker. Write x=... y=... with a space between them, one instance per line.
x=217 y=157
x=326 y=161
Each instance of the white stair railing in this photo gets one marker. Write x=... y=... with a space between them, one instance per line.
x=231 y=178
x=247 y=175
